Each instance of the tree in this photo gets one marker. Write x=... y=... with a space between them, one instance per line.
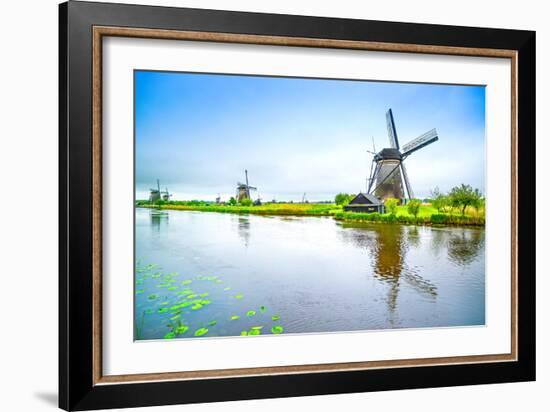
x=342 y=199
x=413 y=207
x=232 y=201
x=439 y=200
x=463 y=196
x=391 y=204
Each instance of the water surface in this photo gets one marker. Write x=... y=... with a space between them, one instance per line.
x=315 y=274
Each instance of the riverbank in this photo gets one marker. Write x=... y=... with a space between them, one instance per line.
x=427 y=215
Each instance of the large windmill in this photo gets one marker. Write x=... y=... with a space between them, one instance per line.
x=388 y=175
x=243 y=189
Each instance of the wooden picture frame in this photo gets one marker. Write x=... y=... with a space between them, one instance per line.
x=82 y=27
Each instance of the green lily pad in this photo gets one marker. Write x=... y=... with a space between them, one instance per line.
x=206 y=302
x=203 y=295
x=275 y=317
x=262 y=309
x=139 y=291
x=226 y=289
x=257 y=327
x=196 y=307
x=201 y=332
x=277 y=329
x=173 y=288
x=181 y=329
x=149 y=311
x=251 y=313
x=163 y=310
x=254 y=332
x=234 y=317
x=244 y=333
x=238 y=296
x=152 y=296
x=186 y=282
x=212 y=323
x=170 y=335
x=175 y=317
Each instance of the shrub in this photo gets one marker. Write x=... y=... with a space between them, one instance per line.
x=246 y=202
x=343 y=199
x=413 y=207
x=438 y=219
x=232 y=201
x=391 y=204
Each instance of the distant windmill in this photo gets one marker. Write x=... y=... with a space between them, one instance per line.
x=388 y=175
x=157 y=194
x=166 y=195
x=243 y=189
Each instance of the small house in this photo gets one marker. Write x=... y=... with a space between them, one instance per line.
x=365 y=203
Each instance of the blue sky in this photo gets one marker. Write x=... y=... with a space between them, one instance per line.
x=198 y=132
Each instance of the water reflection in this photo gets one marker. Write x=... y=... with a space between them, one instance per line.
x=243 y=229
x=159 y=219
x=388 y=246
x=464 y=247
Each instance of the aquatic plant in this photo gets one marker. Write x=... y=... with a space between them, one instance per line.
x=201 y=332
x=180 y=306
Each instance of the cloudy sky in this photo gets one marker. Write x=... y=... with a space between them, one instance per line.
x=198 y=132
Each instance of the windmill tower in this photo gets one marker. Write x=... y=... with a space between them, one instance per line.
x=154 y=194
x=166 y=195
x=243 y=189
x=388 y=176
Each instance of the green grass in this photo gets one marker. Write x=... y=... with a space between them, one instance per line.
x=427 y=215
x=284 y=209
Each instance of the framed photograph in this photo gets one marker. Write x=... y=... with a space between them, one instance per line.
x=256 y=205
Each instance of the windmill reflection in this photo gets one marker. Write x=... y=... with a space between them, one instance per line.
x=159 y=219
x=388 y=246
x=243 y=229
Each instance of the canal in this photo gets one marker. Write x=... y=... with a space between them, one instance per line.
x=246 y=273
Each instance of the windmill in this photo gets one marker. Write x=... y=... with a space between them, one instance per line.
x=388 y=175
x=157 y=194
x=243 y=189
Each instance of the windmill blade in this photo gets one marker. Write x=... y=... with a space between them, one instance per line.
x=392 y=133
x=407 y=182
x=420 y=142
x=373 y=177
x=252 y=188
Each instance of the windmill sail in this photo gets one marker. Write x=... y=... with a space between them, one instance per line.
x=407 y=182
x=392 y=133
x=420 y=142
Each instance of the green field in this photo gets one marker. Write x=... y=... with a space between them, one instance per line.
x=427 y=214
x=292 y=209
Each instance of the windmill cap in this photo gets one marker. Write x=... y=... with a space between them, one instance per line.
x=388 y=154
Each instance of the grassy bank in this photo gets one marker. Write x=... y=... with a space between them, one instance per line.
x=275 y=209
x=434 y=219
x=427 y=215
